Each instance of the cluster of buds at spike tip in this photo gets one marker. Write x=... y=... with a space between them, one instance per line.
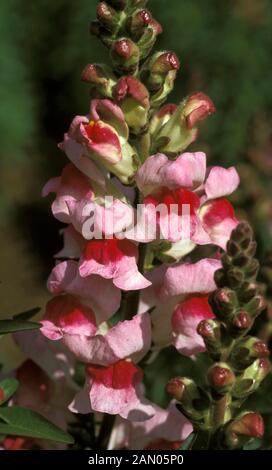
x=128 y=29
x=240 y=431
x=237 y=301
x=193 y=402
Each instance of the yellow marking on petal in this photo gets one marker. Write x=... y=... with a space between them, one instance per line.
x=92 y=123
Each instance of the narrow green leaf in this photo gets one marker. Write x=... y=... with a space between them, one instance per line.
x=10 y=326
x=27 y=314
x=254 y=444
x=7 y=388
x=188 y=442
x=24 y=422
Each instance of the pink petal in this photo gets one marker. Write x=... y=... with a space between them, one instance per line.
x=101 y=295
x=131 y=338
x=65 y=315
x=188 y=278
x=166 y=425
x=219 y=221
x=75 y=153
x=113 y=259
x=221 y=182
x=73 y=244
x=186 y=317
x=107 y=111
x=188 y=171
x=113 y=388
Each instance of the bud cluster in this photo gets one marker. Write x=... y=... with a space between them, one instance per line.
x=241 y=361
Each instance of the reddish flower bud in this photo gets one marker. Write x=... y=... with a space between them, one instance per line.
x=101 y=77
x=197 y=108
x=133 y=98
x=126 y=55
x=221 y=377
x=242 y=321
x=2 y=395
x=176 y=388
x=247 y=426
x=107 y=16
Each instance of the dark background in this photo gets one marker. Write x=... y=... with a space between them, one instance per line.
x=225 y=48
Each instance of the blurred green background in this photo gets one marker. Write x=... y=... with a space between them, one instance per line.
x=225 y=49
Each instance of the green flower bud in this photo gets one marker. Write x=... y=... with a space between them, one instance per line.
x=181 y=129
x=211 y=332
x=251 y=378
x=96 y=29
x=240 y=324
x=224 y=302
x=235 y=277
x=159 y=73
x=194 y=402
x=240 y=431
x=101 y=77
x=247 y=350
x=132 y=96
x=221 y=378
x=125 y=55
x=108 y=17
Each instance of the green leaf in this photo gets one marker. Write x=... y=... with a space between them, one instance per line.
x=10 y=326
x=188 y=442
x=27 y=314
x=8 y=387
x=254 y=444
x=24 y=422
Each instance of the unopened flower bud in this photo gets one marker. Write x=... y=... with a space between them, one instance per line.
x=235 y=277
x=247 y=350
x=224 y=302
x=159 y=73
x=256 y=305
x=241 y=323
x=220 y=278
x=221 y=378
x=148 y=38
x=133 y=98
x=211 y=330
x=245 y=427
x=233 y=248
x=194 y=401
x=176 y=388
x=126 y=55
x=161 y=117
x=96 y=29
x=251 y=378
x=242 y=235
x=181 y=129
x=101 y=77
x=140 y=21
x=250 y=290
x=107 y=17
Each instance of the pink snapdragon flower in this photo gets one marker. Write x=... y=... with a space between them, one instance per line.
x=94 y=291
x=113 y=380
x=164 y=431
x=179 y=295
x=186 y=181
x=113 y=259
x=101 y=136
